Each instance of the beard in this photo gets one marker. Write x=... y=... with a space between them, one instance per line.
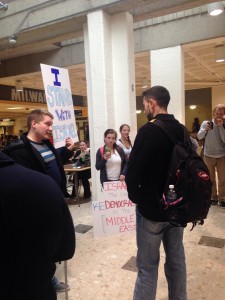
x=149 y=116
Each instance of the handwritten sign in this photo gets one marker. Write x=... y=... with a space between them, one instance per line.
x=114 y=213
x=60 y=104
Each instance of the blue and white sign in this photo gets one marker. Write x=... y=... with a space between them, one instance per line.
x=60 y=104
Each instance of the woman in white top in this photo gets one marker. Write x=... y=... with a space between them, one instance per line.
x=111 y=159
x=124 y=142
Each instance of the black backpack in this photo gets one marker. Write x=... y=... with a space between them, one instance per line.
x=191 y=179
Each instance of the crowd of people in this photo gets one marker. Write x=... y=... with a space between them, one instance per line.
x=8 y=140
x=33 y=162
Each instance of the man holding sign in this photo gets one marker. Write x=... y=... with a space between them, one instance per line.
x=37 y=153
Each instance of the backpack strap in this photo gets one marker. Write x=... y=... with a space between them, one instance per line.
x=161 y=124
x=102 y=151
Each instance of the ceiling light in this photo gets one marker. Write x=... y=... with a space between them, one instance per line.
x=14 y=108
x=215 y=9
x=19 y=86
x=138 y=111
x=12 y=39
x=3 y=6
x=220 y=53
x=193 y=106
x=144 y=83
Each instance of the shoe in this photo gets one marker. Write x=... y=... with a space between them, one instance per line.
x=214 y=202
x=87 y=196
x=222 y=204
x=61 y=287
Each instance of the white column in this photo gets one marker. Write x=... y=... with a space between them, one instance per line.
x=109 y=57
x=167 y=69
x=123 y=71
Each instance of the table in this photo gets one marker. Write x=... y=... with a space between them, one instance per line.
x=74 y=171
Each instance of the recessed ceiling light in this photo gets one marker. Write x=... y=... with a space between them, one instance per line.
x=215 y=9
x=144 y=83
x=12 y=40
x=220 y=53
x=19 y=86
x=14 y=108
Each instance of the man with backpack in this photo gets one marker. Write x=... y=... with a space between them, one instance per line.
x=146 y=178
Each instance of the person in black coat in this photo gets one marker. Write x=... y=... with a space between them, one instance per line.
x=196 y=125
x=36 y=231
x=146 y=176
x=82 y=158
x=36 y=152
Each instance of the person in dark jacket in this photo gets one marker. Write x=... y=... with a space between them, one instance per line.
x=146 y=177
x=111 y=159
x=37 y=153
x=82 y=158
x=36 y=231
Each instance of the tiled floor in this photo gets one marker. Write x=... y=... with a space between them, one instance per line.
x=104 y=268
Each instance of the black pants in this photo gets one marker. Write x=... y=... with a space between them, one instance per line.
x=84 y=176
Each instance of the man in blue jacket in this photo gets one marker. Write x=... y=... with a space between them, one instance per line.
x=36 y=231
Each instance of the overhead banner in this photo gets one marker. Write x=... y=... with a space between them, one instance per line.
x=60 y=104
x=114 y=213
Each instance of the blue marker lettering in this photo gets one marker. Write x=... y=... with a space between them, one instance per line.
x=56 y=73
x=50 y=97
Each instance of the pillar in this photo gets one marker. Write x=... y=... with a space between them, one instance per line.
x=167 y=69
x=109 y=57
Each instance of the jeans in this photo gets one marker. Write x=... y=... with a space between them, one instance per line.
x=149 y=237
x=54 y=280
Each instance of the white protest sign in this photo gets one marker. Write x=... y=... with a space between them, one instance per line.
x=114 y=213
x=60 y=104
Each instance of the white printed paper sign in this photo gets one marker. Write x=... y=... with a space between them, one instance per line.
x=60 y=104
x=114 y=213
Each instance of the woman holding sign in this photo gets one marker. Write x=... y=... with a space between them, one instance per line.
x=110 y=159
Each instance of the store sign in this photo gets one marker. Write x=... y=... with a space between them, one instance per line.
x=7 y=123
x=60 y=104
x=32 y=96
x=9 y=93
